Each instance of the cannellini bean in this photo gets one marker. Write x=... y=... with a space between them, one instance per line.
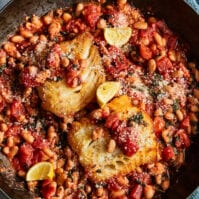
x=47 y=19
x=179 y=115
x=27 y=136
x=66 y=17
x=152 y=66
x=79 y=8
x=169 y=116
x=11 y=49
x=141 y=25
x=149 y=191
x=158 y=38
x=101 y=24
x=17 y=39
x=165 y=184
x=111 y=146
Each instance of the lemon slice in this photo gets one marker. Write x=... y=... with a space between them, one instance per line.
x=117 y=36
x=106 y=91
x=40 y=171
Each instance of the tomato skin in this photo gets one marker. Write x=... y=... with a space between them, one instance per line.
x=27 y=79
x=48 y=189
x=2 y=103
x=182 y=139
x=25 y=155
x=91 y=14
x=113 y=185
x=185 y=124
x=164 y=65
x=118 y=61
x=17 y=109
x=145 y=52
x=13 y=130
x=112 y=121
x=129 y=147
x=136 y=192
x=168 y=153
x=159 y=125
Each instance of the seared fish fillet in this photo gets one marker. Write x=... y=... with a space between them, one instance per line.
x=93 y=155
x=62 y=100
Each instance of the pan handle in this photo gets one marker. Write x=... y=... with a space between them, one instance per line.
x=194 y=4
x=3 y=195
x=4 y=4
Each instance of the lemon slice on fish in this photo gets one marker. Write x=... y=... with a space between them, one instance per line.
x=106 y=91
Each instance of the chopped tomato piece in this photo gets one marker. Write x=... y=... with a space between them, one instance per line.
x=145 y=52
x=2 y=103
x=185 y=123
x=13 y=130
x=25 y=155
x=164 y=65
x=92 y=14
x=113 y=185
x=181 y=139
x=112 y=121
x=17 y=109
x=159 y=125
x=136 y=192
x=27 y=79
x=48 y=189
x=168 y=153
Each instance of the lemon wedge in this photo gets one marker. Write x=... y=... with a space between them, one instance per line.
x=40 y=171
x=106 y=91
x=117 y=36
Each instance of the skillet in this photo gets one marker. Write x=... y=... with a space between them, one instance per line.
x=179 y=17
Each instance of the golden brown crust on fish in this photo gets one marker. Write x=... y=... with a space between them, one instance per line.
x=93 y=154
x=61 y=99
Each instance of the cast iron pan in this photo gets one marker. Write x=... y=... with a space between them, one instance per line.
x=180 y=18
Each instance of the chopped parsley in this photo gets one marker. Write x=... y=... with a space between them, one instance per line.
x=176 y=105
x=138 y=118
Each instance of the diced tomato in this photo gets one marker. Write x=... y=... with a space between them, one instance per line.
x=113 y=185
x=185 y=123
x=181 y=139
x=145 y=52
x=126 y=137
x=168 y=153
x=17 y=109
x=27 y=79
x=53 y=58
x=136 y=192
x=112 y=121
x=13 y=130
x=25 y=155
x=73 y=79
x=118 y=61
x=91 y=14
x=142 y=177
x=16 y=164
x=149 y=108
x=159 y=125
x=37 y=156
x=2 y=103
x=172 y=41
x=48 y=189
x=186 y=72
x=129 y=147
x=76 y=25
x=164 y=65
